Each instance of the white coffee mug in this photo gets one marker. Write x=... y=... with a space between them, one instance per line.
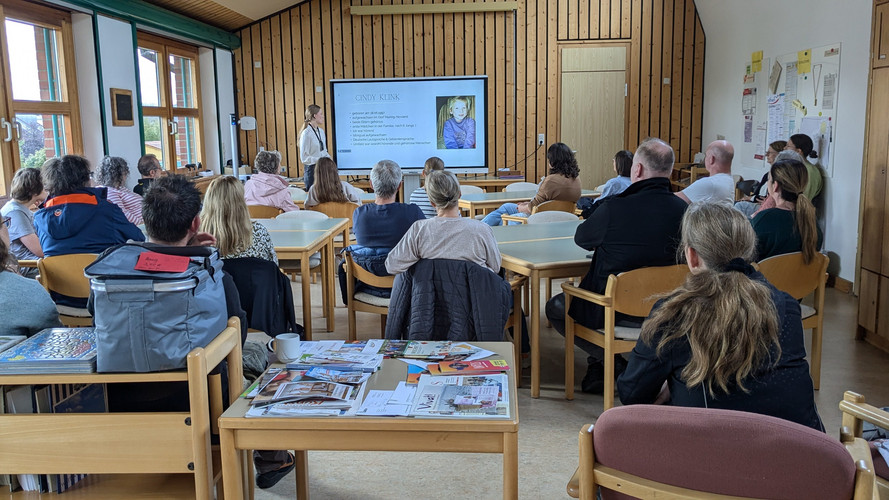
x=285 y=346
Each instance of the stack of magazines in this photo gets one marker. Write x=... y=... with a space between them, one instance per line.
x=53 y=350
x=474 y=396
x=319 y=391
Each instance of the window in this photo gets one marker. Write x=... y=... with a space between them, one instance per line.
x=39 y=117
x=171 y=101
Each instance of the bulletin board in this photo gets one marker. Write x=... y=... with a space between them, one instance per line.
x=802 y=98
x=754 y=109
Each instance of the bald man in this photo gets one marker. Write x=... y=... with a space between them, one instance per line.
x=719 y=186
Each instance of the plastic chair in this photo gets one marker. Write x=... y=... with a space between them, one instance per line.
x=303 y=214
x=63 y=274
x=631 y=293
x=790 y=274
x=263 y=211
x=555 y=205
x=551 y=216
x=856 y=411
x=361 y=301
x=467 y=189
x=338 y=210
x=521 y=186
x=651 y=451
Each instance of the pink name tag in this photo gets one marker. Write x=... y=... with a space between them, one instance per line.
x=153 y=261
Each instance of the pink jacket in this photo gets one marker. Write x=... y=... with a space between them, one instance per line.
x=269 y=189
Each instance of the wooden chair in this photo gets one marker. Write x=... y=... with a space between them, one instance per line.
x=63 y=274
x=336 y=210
x=651 y=451
x=790 y=274
x=521 y=186
x=856 y=411
x=127 y=455
x=361 y=301
x=684 y=174
x=631 y=293
x=516 y=284
x=263 y=211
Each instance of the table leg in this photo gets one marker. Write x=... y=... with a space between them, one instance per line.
x=331 y=284
x=307 y=294
x=510 y=465
x=232 y=466
x=302 y=474
x=535 y=333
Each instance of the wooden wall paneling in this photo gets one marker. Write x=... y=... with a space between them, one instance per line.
x=428 y=43
x=387 y=44
x=358 y=45
x=666 y=70
x=583 y=18
x=605 y=19
x=551 y=103
x=447 y=41
x=398 y=43
x=269 y=139
x=306 y=32
x=521 y=115
x=594 y=14
x=564 y=20
x=278 y=139
x=632 y=123
x=419 y=50
x=540 y=84
x=532 y=91
x=299 y=96
x=336 y=34
x=615 y=14
x=258 y=94
x=656 y=81
x=367 y=41
x=239 y=94
x=469 y=41
x=325 y=40
x=348 y=58
x=438 y=45
x=698 y=98
x=573 y=18
x=677 y=76
x=509 y=70
x=459 y=44
x=497 y=61
x=292 y=117
x=479 y=48
x=645 y=73
x=687 y=82
x=377 y=42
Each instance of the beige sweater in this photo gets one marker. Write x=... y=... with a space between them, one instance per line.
x=557 y=187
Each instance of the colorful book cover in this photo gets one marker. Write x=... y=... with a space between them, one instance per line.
x=472 y=367
x=58 y=350
x=7 y=341
x=413 y=374
x=477 y=396
x=438 y=350
x=87 y=398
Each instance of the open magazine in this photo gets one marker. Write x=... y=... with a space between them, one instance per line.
x=475 y=396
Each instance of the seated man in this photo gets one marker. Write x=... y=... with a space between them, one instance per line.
x=636 y=228
x=379 y=226
x=150 y=169
x=171 y=210
x=719 y=186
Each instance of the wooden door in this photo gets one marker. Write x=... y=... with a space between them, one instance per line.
x=593 y=94
x=874 y=208
x=881 y=36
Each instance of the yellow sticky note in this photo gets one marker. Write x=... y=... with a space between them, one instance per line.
x=804 y=67
x=756 y=66
x=756 y=57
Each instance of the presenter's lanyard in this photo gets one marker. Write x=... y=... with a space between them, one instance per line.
x=318 y=136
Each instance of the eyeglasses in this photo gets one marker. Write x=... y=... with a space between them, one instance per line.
x=6 y=221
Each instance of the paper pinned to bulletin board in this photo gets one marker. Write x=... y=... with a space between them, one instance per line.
x=806 y=93
x=753 y=109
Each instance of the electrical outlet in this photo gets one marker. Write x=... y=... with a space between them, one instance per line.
x=541 y=138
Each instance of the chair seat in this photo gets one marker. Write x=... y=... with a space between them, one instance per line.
x=371 y=299
x=76 y=312
x=807 y=311
x=314 y=261
x=625 y=332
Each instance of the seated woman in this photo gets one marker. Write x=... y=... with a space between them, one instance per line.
x=225 y=216
x=802 y=144
x=25 y=306
x=621 y=162
x=379 y=226
x=265 y=186
x=112 y=174
x=419 y=196
x=561 y=183
x=750 y=206
x=26 y=190
x=446 y=236
x=329 y=188
x=790 y=225
x=726 y=338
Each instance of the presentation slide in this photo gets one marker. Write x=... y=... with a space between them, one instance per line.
x=408 y=120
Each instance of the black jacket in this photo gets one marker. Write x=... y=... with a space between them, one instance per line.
x=441 y=299
x=636 y=228
x=265 y=295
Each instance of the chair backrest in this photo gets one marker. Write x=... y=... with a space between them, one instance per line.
x=363 y=275
x=712 y=451
x=263 y=211
x=521 y=186
x=336 y=210
x=790 y=274
x=293 y=190
x=266 y=296
x=635 y=292
x=302 y=214
x=551 y=216
x=467 y=189
x=555 y=205
x=63 y=274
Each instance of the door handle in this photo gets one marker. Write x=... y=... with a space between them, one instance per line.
x=174 y=128
x=8 y=126
x=18 y=130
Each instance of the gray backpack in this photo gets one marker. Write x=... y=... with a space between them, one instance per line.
x=149 y=321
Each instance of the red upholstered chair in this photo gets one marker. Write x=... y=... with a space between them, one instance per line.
x=649 y=451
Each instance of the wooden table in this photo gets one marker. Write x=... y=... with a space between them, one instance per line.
x=238 y=433
x=540 y=251
x=485 y=202
x=300 y=238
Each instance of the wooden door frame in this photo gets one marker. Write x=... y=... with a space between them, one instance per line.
x=595 y=44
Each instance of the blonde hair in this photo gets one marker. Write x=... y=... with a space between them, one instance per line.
x=311 y=111
x=728 y=319
x=443 y=189
x=792 y=177
x=225 y=215
x=327 y=185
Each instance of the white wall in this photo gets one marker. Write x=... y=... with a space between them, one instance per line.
x=87 y=87
x=734 y=30
x=209 y=121
x=117 y=57
x=226 y=78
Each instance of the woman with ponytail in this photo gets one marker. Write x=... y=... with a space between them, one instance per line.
x=790 y=225
x=312 y=142
x=726 y=338
x=802 y=144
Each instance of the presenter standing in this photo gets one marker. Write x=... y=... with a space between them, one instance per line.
x=312 y=142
